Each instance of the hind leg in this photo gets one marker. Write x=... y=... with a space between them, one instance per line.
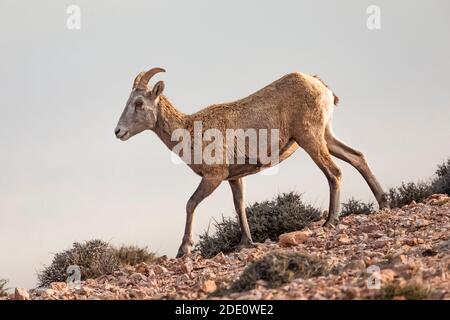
x=237 y=187
x=359 y=162
x=318 y=151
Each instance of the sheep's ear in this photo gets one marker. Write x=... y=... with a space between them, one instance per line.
x=157 y=89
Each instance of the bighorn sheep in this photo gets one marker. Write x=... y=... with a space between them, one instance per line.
x=300 y=106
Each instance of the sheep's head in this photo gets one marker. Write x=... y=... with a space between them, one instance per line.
x=140 y=112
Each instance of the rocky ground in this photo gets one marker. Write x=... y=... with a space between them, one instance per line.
x=411 y=246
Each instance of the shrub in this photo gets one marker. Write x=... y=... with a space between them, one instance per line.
x=408 y=192
x=353 y=206
x=276 y=269
x=410 y=291
x=267 y=220
x=442 y=183
x=132 y=255
x=3 y=288
x=94 y=257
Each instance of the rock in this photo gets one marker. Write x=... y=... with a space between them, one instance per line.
x=162 y=260
x=387 y=275
x=137 y=277
x=85 y=291
x=368 y=228
x=142 y=268
x=421 y=223
x=160 y=270
x=128 y=269
x=344 y=239
x=242 y=256
x=208 y=286
x=380 y=243
x=443 y=246
x=408 y=243
x=358 y=264
x=186 y=267
x=438 y=199
x=21 y=294
x=90 y=282
x=137 y=294
x=220 y=258
x=58 y=286
x=293 y=238
x=48 y=292
x=399 y=259
x=411 y=242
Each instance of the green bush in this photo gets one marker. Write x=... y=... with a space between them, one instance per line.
x=276 y=269
x=408 y=192
x=410 y=291
x=3 y=288
x=353 y=206
x=95 y=258
x=419 y=191
x=442 y=183
x=267 y=220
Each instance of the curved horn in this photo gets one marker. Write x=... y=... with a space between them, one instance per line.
x=145 y=78
x=137 y=79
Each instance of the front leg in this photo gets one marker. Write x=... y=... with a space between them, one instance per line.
x=206 y=187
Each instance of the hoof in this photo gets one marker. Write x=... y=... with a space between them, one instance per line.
x=384 y=205
x=331 y=223
x=183 y=252
x=180 y=254
x=246 y=244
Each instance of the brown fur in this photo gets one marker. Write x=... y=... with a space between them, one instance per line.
x=336 y=98
x=300 y=106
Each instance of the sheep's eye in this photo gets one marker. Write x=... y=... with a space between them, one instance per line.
x=138 y=104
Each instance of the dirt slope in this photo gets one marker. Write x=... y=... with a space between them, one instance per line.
x=411 y=246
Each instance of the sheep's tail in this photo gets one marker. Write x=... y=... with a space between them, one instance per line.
x=336 y=98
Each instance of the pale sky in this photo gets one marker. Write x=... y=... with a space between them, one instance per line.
x=65 y=177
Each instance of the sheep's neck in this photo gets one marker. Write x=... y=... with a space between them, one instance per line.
x=169 y=119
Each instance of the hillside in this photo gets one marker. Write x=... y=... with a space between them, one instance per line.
x=411 y=246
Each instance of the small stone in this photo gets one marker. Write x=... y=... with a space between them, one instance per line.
x=344 y=239
x=368 y=228
x=387 y=275
x=160 y=270
x=208 y=286
x=242 y=256
x=142 y=268
x=380 y=243
x=186 y=267
x=90 y=282
x=399 y=259
x=21 y=294
x=411 y=242
x=422 y=223
x=85 y=291
x=163 y=259
x=358 y=264
x=137 y=277
x=220 y=258
x=137 y=294
x=58 y=286
x=48 y=292
x=293 y=238
x=443 y=246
